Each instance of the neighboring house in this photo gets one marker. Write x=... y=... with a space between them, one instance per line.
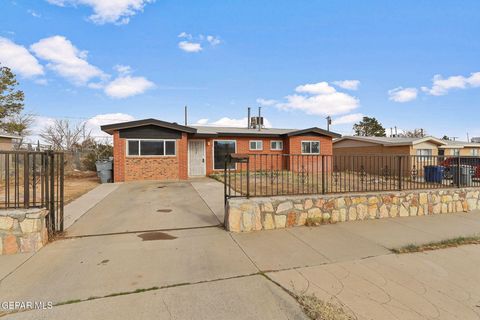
x=7 y=141
x=151 y=149
x=356 y=145
x=460 y=148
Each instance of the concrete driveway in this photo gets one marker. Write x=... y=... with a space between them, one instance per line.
x=142 y=206
x=130 y=257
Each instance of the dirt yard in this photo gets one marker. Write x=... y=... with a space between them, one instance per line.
x=79 y=183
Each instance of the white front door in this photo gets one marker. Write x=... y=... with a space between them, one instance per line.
x=196 y=158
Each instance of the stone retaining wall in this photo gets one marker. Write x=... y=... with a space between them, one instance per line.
x=281 y=212
x=22 y=230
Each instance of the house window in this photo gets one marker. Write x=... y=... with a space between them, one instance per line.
x=151 y=148
x=474 y=152
x=256 y=145
x=455 y=152
x=221 y=148
x=310 y=147
x=424 y=152
x=276 y=145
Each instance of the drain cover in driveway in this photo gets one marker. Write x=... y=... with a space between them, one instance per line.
x=164 y=210
x=152 y=236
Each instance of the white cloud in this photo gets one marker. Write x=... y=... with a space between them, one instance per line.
x=34 y=14
x=441 y=86
x=93 y=124
x=266 y=102
x=349 y=118
x=122 y=69
x=347 y=84
x=65 y=59
x=401 y=94
x=320 y=99
x=17 y=58
x=108 y=11
x=127 y=86
x=214 y=41
x=188 y=46
x=194 y=43
x=230 y=122
x=316 y=88
x=202 y=122
x=185 y=35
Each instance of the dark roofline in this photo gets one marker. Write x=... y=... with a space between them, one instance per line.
x=109 y=128
x=314 y=130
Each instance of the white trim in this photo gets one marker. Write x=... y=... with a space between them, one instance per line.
x=204 y=157
x=150 y=156
x=310 y=141
x=213 y=152
x=281 y=141
x=256 y=143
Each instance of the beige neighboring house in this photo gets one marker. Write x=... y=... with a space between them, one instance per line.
x=7 y=141
x=355 y=145
x=460 y=148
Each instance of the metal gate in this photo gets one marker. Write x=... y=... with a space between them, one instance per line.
x=34 y=179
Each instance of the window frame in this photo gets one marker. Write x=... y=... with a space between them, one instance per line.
x=139 y=155
x=310 y=142
x=277 y=141
x=475 y=152
x=256 y=143
x=430 y=152
x=455 y=152
x=213 y=152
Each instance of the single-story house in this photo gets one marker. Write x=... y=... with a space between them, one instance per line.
x=7 y=141
x=356 y=145
x=152 y=149
x=460 y=148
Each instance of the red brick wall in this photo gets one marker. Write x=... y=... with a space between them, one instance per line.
x=149 y=168
x=310 y=163
x=290 y=145
x=119 y=150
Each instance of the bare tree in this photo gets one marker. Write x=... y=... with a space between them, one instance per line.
x=65 y=136
x=20 y=125
x=415 y=133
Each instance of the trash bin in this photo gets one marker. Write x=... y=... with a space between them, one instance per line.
x=434 y=174
x=104 y=170
x=462 y=175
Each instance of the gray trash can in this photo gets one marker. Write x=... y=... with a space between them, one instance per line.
x=104 y=170
x=462 y=175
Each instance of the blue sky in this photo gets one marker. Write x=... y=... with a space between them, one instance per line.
x=410 y=64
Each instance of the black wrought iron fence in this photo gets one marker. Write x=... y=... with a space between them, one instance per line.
x=256 y=175
x=33 y=179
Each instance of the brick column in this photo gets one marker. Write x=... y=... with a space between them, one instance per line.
x=118 y=157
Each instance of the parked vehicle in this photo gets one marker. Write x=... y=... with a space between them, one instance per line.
x=451 y=162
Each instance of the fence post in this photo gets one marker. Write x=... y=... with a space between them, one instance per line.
x=323 y=174
x=26 y=181
x=61 y=188
x=248 y=177
x=51 y=175
x=225 y=181
x=400 y=173
x=458 y=172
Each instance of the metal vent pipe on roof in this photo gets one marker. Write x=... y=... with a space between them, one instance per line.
x=248 y=119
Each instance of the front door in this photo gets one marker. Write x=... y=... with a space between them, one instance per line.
x=196 y=158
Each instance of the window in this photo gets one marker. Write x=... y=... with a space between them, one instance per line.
x=474 y=152
x=222 y=148
x=424 y=152
x=310 y=147
x=455 y=152
x=256 y=145
x=151 y=148
x=276 y=145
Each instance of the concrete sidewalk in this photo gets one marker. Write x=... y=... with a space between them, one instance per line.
x=78 y=207
x=304 y=246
